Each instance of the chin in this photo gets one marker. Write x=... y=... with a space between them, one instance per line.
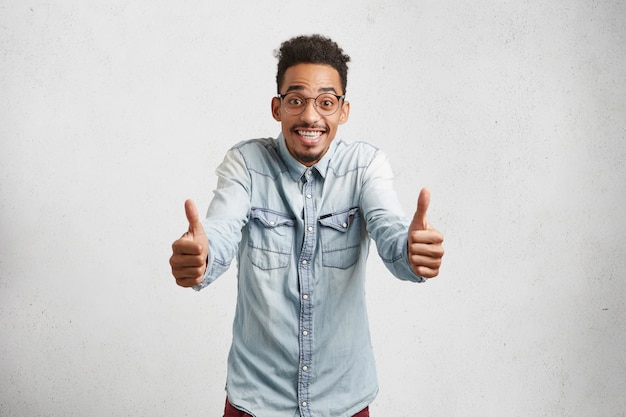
x=309 y=158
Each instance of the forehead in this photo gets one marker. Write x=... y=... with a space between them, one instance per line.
x=312 y=77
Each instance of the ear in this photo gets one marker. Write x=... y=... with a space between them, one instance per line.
x=276 y=108
x=345 y=112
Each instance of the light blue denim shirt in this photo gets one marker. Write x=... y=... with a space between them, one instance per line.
x=301 y=342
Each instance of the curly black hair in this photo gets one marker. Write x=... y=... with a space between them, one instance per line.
x=313 y=49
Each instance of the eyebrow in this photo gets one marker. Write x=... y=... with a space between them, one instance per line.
x=321 y=90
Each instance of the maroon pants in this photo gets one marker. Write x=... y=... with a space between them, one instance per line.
x=230 y=411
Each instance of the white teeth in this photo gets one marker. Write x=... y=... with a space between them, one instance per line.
x=308 y=134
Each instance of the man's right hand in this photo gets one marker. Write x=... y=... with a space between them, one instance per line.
x=190 y=252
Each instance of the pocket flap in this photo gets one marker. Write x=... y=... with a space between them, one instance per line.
x=270 y=219
x=340 y=221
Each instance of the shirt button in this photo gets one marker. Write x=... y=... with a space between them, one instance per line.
x=310 y=228
x=304 y=262
x=308 y=196
x=305 y=333
x=272 y=223
x=305 y=368
x=305 y=296
x=304 y=404
x=345 y=225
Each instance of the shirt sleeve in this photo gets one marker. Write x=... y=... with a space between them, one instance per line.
x=228 y=213
x=386 y=221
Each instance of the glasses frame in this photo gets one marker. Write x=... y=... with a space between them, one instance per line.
x=306 y=100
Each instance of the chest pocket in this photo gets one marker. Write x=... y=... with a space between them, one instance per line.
x=341 y=237
x=271 y=237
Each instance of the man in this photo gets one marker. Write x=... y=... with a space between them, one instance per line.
x=299 y=212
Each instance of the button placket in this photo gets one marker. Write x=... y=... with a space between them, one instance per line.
x=305 y=277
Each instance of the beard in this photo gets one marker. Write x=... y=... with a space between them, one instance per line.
x=311 y=155
x=309 y=158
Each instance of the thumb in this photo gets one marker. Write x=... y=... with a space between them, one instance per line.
x=419 y=219
x=192 y=217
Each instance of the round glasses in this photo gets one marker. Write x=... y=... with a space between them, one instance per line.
x=326 y=104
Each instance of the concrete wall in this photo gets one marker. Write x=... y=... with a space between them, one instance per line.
x=513 y=113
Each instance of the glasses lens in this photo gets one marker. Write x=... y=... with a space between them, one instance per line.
x=325 y=104
x=294 y=103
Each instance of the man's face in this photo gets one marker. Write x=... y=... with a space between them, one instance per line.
x=309 y=134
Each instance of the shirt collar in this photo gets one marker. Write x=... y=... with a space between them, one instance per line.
x=296 y=169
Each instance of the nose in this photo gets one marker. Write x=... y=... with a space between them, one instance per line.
x=310 y=114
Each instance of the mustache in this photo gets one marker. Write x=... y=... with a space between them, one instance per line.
x=309 y=126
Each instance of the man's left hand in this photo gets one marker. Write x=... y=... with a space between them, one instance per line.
x=425 y=242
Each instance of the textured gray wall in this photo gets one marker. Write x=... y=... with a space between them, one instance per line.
x=513 y=113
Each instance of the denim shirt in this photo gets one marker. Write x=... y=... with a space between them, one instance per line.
x=301 y=343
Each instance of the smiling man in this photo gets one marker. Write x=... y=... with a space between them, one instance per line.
x=299 y=213
x=309 y=130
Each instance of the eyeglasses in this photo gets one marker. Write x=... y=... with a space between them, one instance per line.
x=326 y=104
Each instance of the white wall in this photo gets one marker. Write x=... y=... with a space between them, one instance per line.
x=513 y=113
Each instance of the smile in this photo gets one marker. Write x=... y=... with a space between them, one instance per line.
x=310 y=134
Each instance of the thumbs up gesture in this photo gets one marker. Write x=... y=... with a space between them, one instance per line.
x=190 y=252
x=425 y=249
